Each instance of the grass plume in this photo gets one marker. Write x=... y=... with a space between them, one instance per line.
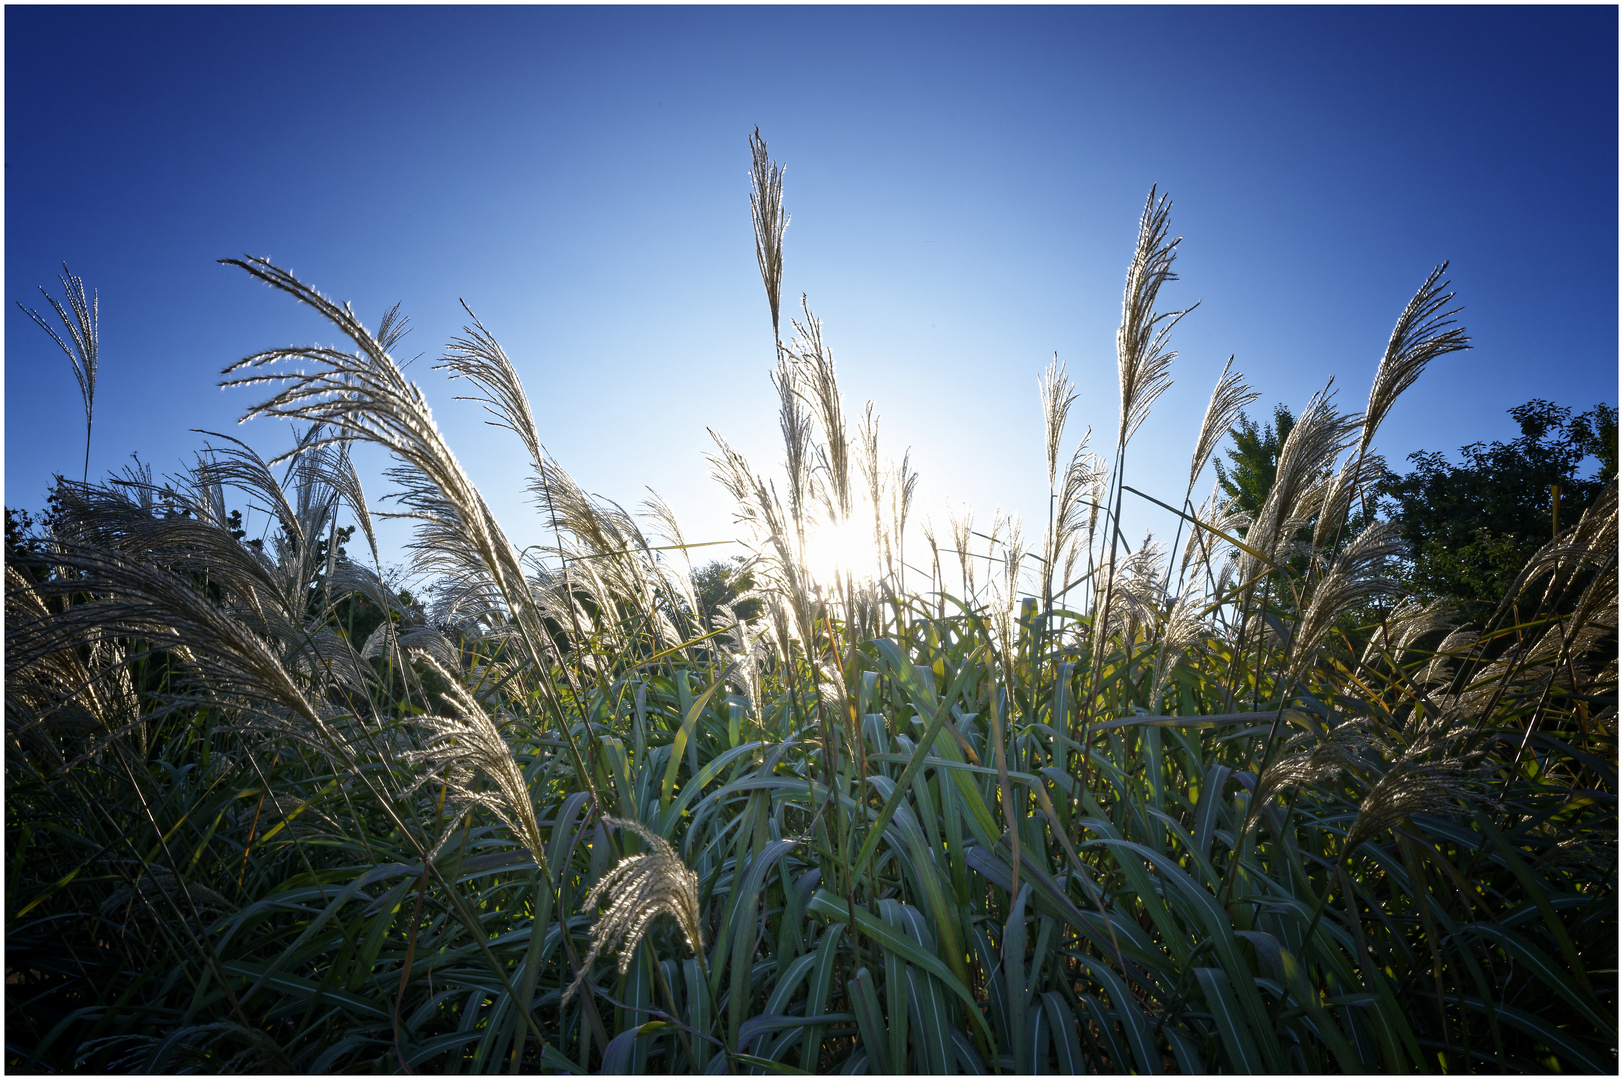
x=83 y=330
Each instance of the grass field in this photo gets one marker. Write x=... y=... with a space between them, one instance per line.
x=988 y=802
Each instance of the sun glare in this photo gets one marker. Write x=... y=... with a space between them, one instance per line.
x=839 y=551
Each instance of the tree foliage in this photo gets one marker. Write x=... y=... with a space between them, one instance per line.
x=1471 y=526
x=1254 y=458
x=721 y=582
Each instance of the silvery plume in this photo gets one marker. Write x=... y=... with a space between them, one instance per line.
x=639 y=889
x=1418 y=783
x=466 y=743
x=1309 y=758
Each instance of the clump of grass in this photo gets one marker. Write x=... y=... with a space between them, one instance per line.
x=1232 y=804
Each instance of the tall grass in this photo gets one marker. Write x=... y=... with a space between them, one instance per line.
x=1082 y=806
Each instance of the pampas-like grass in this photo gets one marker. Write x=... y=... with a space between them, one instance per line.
x=1423 y=333
x=1074 y=500
x=1076 y=510
x=365 y=395
x=1139 y=587
x=1440 y=668
x=795 y=424
x=766 y=208
x=83 y=330
x=1355 y=578
x=1403 y=626
x=873 y=743
x=817 y=384
x=131 y=598
x=465 y=743
x=1184 y=624
x=1142 y=358
x=1414 y=785
x=1058 y=394
x=1315 y=441
x=603 y=552
x=639 y=889
x=1229 y=398
x=1359 y=479
x=1305 y=760
x=962 y=529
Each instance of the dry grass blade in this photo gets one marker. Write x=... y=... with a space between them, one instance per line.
x=639 y=889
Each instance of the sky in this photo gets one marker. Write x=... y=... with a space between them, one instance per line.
x=964 y=184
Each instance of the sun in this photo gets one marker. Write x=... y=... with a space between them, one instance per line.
x=837 y=551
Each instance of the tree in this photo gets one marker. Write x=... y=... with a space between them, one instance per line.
x=1471 y=527
x=1254 y=459
x=716 y=583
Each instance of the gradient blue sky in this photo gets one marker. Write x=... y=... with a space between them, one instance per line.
x=964 y=185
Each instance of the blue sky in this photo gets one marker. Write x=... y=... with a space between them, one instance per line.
x=964 y=185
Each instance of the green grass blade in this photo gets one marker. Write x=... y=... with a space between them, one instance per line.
x=1232 y=1025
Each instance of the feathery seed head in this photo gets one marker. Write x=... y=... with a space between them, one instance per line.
x=1229 y=398
x=1301 y=480
x=766 y=208
x=1414 y=785
x=1307 y=759
x=639 y=889
x=466 y=743
x=1058 y=393
x=1354 y=579
x=1423 y=333
x=82 y=332
x=1142 y=357
x=1184 y=623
